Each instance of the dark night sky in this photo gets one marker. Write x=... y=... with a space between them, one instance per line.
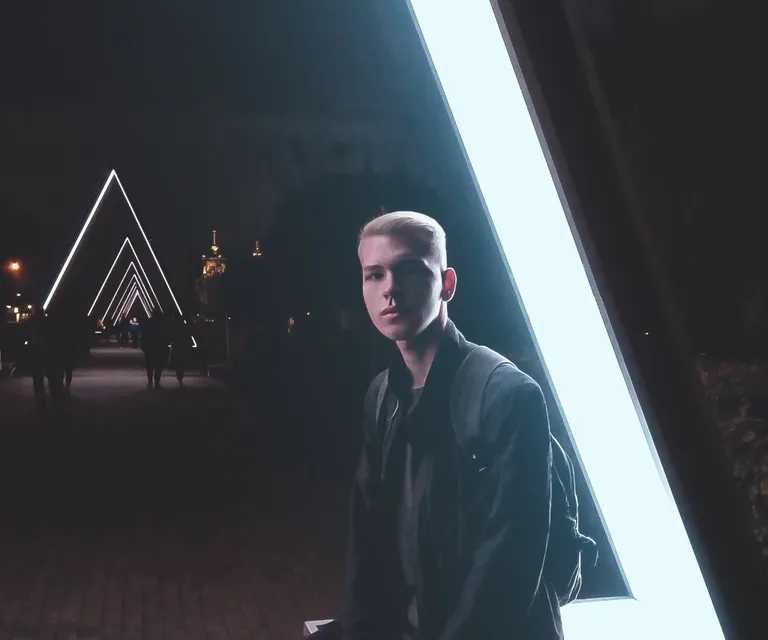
x=167 y=95
x=160 y=95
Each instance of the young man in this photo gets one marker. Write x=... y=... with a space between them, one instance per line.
x=433 y=555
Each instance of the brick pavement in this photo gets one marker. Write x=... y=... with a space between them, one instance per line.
x=134 y=514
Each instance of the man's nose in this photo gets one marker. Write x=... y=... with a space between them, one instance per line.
x=390 y=286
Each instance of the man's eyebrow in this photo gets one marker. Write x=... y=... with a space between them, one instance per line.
x=407 y=260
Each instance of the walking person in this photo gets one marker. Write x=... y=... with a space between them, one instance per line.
x=458 y=527
x=181 y=347
x=123 y=332
x=133 y=330
x=155 y=342
x=43 y=358
x=70 y=344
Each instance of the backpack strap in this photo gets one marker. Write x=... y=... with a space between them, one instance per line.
x=563 y=563
x=468 y=391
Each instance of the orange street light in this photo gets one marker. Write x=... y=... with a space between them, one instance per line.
x=15 y=266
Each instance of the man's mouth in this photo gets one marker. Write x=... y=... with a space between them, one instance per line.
x=390 y=311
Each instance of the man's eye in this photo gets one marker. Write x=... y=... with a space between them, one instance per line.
x=373 y=276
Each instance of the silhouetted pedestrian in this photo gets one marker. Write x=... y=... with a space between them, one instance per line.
x=181 y=347
x=133 y=330
x=124 y=333
x=67 y=336
x=155 y=342
x=43 y=358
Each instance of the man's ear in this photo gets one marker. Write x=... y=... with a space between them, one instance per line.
x=449 y=285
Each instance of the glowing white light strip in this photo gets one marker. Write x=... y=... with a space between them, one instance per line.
x=132 y=297
x=126 y=242
x=114 y=295
x=109 y=273
x=147 y=312
x=137 y=276
x=129 y=300
x=149 y=282
x=94 y=209
x=487 y=102
x=141 y=294
x=144 y=290
x=112 y=176
x=128 y=304
x=126 y=294
x=151 y=250
x=133 y=286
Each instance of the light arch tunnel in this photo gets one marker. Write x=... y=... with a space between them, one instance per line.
x=135 y=283
x=489 y=102
x=132 y=293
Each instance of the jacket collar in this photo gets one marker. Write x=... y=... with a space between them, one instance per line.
x=451 y=351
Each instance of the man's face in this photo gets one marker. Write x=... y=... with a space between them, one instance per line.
x=403 y=289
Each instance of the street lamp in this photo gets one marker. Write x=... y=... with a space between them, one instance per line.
x=14 y=267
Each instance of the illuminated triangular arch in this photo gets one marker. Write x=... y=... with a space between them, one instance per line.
x=133 y=284
x=134 y=293
x=126 y=295
x=487 y=98
x=131 y=269
x=127 y=244
x=113 y=177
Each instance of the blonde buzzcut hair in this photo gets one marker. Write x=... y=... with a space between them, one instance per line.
x=424 y=233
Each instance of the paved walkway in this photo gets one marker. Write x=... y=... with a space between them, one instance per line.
x=134 y=513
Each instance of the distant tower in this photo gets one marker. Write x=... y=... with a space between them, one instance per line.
x=214 y=266
x=257 y=252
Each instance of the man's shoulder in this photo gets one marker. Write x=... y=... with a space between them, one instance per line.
x=503 y=376
x=505 y=387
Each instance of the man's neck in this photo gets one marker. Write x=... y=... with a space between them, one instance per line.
x=419 y=354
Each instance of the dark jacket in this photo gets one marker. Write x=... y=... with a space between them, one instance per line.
x=472 y=544
x=156 y=338
x=181 y=345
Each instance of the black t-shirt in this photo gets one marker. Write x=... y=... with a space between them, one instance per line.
x=398 y=485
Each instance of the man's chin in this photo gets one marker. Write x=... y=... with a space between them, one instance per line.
x=397 y=333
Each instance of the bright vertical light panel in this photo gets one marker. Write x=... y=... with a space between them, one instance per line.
x=488 y=105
